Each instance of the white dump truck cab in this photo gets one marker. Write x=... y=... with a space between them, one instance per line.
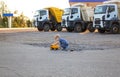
x=74 y=17
x=75 y=14
x=48 y=19
x=40 y=16
x=65 y=17
x=78 y=19
x=106 y=18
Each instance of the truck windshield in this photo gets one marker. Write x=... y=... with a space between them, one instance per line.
x=66 y=11
x=40 y=12
x=74 y=10
x=100 y=9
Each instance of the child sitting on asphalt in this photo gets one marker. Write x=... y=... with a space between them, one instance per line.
x=62 y=42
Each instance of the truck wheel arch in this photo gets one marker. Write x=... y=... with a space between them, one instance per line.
x=115 y=28
x=90 y=27
x=114 y=22
x=58 y=27
x=78 y=27
x=40 y=26
x=46 y=26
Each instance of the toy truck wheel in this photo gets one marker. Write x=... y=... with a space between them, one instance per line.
x=78 y=28
x=90 y=27
x=101 y=31
x=59 y=27
x=55 y=49
x=51 y=48
x=46 y=27
x=115 y=29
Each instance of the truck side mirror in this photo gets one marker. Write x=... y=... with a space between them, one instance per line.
x=108 y=10
x=108 y=15
x=94 y=9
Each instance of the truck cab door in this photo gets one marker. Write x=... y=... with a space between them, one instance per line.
x=111 y=13
x=75 y=13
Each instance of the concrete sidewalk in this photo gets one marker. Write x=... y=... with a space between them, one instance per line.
x=11 y=30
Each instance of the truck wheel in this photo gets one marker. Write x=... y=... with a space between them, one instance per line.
x=78 y=28
x=90 y=27
x=101 y=31
x=39 y=28
x=59 y=27
x=69 y=29
x=46 y=27
x=84 y=29
x=115 y=29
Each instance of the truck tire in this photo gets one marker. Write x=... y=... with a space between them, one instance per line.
x=52 y=29
x=46 y=27
x=59 y=27
x=101 y=31
x=78 y=28
x=84 y=29
x=114 y=29
x=90 y=27
x=39 y=28
x=69 y=29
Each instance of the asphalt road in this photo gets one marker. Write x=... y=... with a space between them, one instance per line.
x=26 y=53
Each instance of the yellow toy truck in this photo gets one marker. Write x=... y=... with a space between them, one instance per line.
x=55 y=47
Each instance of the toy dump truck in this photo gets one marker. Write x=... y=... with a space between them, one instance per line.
x=55 y=47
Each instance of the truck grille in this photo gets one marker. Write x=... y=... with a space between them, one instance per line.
x=97 y=21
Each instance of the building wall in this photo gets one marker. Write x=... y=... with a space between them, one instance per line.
x=91 y=4
x=87 y=0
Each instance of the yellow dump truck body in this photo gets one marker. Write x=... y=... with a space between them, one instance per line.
x=57 y=13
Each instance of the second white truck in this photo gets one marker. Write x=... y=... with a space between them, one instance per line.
x=80 y=18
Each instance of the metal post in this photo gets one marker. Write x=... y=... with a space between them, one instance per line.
x=9 y=22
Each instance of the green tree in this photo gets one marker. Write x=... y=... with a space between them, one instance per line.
x=20 y=21
x=5 y=22
x=29 y=23
x=3 y=9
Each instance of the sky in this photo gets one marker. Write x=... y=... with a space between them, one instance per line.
x=29 y=6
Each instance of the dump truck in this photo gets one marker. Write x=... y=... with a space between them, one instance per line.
x=80 y=18
x=107 y=17
x=48 y=19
